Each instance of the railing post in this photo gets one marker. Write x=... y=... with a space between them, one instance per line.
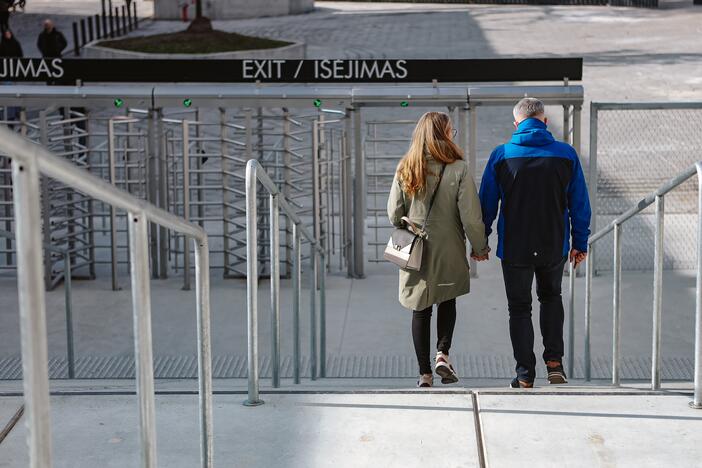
x=359 y=198
x=348 y=199
x=571 y=318
x=616 y=304
x=141 y=303
x=186 y=202
x=30 y=287
x=657 y=294
x=323 y=319
x=588 y=311
x=204 y=351
x=67 y=291
x=296 y=286
x=472 y=150
x=697 y=398
x=313 y=311
x=275 y=290
x=113 y=211
x=592 y=177
x=252 y=285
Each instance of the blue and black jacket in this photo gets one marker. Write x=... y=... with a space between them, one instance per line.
x=539 y=185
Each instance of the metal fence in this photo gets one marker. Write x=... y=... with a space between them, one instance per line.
x=634 y=148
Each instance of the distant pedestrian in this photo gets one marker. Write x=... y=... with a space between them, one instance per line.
x=5 y=15
x=9 y=46
x=51 y=41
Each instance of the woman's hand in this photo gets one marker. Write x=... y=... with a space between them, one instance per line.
x=481 y=258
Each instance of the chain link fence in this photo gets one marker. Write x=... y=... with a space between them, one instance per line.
x=638 y=147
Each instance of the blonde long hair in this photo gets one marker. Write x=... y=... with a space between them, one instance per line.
x=431 y=135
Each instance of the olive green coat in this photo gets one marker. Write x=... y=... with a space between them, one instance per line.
x=455 y=215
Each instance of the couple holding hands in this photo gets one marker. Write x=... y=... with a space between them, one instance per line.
x=537 y=185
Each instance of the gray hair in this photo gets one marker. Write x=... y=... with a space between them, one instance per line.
x=527 y=108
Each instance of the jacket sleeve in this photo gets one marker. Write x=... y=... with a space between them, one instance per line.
x=471 y=214
x=396 y=203
x=62 y=42
x=579 y=207
x=490 y=192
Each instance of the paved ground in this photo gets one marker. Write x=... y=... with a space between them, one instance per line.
x=393 y=429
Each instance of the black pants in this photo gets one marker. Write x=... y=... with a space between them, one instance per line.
x=4 y=21
x=421 y=332
x=518 y=280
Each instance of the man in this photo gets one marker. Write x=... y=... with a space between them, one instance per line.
x=51 y=42
x=539 y=185
x=9 y=46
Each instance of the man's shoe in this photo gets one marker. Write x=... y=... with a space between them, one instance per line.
x=444 y=368
x=516 y=383
x=556 y=374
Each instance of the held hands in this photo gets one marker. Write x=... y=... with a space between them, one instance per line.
x=481 y=258
x=576 y=257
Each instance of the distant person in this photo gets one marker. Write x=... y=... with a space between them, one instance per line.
x=5 y=15
x=51 y=41
x=539 y=187
x=10 y=46
x=433 y=192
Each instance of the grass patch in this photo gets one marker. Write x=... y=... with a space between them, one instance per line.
x=192 y=43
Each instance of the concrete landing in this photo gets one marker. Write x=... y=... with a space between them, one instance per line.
x=576 y=426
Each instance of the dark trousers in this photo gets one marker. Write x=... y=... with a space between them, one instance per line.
x=518 y=279
x=421 y=332
x=4 y=21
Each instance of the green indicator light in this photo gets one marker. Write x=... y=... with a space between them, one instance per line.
x=118 y=102
x=317 y=103
x=404 y=104
x=187 y=102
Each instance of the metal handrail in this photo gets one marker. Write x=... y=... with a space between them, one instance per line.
x=657 y=197
x=68 y=301
x=255 y=173
x=29 y=160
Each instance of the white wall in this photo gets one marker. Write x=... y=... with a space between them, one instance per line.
x=231 y=9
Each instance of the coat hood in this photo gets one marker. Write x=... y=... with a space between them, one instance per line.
x=532 y=132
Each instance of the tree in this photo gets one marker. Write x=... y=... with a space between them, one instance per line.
x=200 y=24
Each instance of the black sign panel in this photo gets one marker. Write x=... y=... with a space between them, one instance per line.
x=289 y=71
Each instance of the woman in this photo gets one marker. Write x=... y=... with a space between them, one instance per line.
x=434 y=160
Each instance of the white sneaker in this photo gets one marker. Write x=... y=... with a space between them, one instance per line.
x=425 y=380
x=444 y=368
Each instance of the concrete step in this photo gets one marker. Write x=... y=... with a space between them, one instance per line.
x=349 y=423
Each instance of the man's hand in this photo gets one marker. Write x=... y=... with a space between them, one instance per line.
x=576 y=257
x=480 y=258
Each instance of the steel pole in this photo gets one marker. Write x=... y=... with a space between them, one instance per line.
x=186 y=202
x=359 y=197
x=113 y=211
x=296 y=287
x=588 y=312
x=571 y=318
x=67 y=291
x=592 y=176
x=348 y=200
x=697 y=398
x=143 y=351
x=313 y=312
x=657 y=294
x=472 y=150
x=204 y=352
x=616 y=304
x=275 y=289
x=30 y=288
x=252 y=286
x=323 y=318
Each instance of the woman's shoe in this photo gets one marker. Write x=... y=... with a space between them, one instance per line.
x=425 y=380
x=445 y=369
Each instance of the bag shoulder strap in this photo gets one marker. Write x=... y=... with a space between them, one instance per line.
x=433 y=196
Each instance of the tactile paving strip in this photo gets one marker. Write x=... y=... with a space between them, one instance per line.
x=338 y=366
